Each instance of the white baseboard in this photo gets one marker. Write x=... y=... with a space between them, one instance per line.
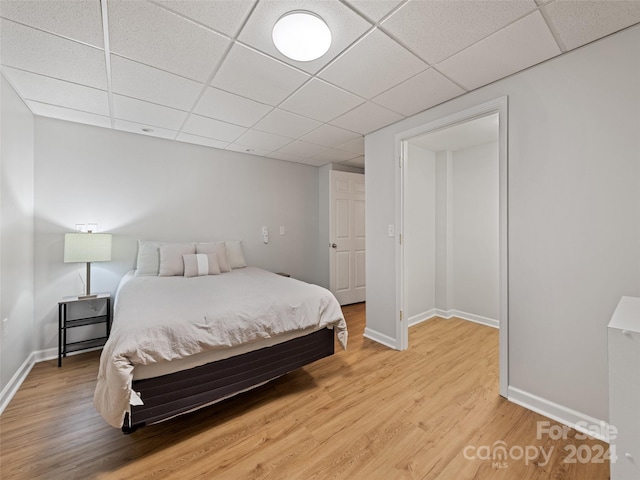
x=44 y=355
x=490 y=322
x=436 y=312
x=9 y=391
x=567 y=416
x=380 y=338
x=423 y=317
x=12 y=387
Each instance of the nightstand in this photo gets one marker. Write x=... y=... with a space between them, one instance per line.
x=64 y=323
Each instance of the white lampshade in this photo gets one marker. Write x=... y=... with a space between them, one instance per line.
x=87 y=247
x=301 y=36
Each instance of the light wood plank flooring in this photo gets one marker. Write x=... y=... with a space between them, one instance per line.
x=432 y=412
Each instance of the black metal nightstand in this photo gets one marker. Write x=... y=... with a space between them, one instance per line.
x=64 y=324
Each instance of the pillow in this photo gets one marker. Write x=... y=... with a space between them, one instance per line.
x=171 y=262
x=235 y=254
x=148 y=261
x=195 y=264
x=218 y=250
x=214 y=266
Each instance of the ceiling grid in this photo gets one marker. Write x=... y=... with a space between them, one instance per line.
x=207 y=72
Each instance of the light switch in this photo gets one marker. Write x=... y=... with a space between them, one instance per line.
x=391 y=230
x=282 y=230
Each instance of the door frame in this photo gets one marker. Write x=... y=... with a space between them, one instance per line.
x=500 y=106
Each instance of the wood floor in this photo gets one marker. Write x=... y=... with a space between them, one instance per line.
x=432 y=412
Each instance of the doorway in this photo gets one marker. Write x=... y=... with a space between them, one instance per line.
x=452 y=257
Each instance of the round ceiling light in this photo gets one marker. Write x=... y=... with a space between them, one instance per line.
x=301 y=36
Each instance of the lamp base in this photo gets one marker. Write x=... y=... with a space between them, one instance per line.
x=88 y=293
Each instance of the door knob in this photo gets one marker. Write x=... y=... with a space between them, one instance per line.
x=333 y=245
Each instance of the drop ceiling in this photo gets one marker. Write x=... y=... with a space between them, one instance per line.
x=207 y=72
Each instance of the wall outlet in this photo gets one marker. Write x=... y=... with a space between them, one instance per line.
x=5 y=327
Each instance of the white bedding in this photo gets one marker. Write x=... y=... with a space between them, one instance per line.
x=159 y=319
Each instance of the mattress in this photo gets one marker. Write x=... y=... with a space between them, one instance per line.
x=165 y=324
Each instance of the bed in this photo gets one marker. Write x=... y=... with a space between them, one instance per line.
x=182 y=342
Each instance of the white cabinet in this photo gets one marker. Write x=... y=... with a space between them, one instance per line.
x=624 y=389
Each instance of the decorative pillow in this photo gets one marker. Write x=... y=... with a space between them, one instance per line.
x=218 y=250
x=148 y=261
x=171 y=262
x=235 y=254
x=195 y=264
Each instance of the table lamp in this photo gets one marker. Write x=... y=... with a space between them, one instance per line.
x=87 y=247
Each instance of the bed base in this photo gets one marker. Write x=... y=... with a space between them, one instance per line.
x=177 y=393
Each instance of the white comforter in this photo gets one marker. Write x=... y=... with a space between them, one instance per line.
x=158 y=319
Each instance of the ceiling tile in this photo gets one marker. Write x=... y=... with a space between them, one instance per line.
x=151 y=35
x=225 y=16
x=375 y=9
x=286 y=157
x=314 y=162
x=31 y=86
x=334 y=155
x=208 y=127
x=126 y=108
x=35 y=51
x=248 y=150
x=81 y=21
x=147 y=83
x=363 y=61
x=418 y=93
x=366 y=118
x=286 y=124
x=506 y=52
x=143 y=129
x=303 y=149
x=230 y=107
x=198 y=140
x=321 y=101
x=254 y=75
x=265 y=141
x=68 y=114
x=436 y=30
x=581 y=22
x=330 y=136
x=354 y=146
x=345 y=25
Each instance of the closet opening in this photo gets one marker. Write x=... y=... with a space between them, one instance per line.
x=453 y=252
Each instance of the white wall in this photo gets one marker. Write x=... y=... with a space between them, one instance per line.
x=135 y=186
x=451 y=232
x=420 y=232
x=475 y=231
x=443 y=226
x=574 y=215
x=16 y=232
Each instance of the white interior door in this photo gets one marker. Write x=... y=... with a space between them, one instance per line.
x=347 y=237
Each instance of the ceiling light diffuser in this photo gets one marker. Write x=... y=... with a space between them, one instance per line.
x=301 y=36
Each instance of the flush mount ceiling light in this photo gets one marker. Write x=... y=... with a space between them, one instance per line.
x=301 y=36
